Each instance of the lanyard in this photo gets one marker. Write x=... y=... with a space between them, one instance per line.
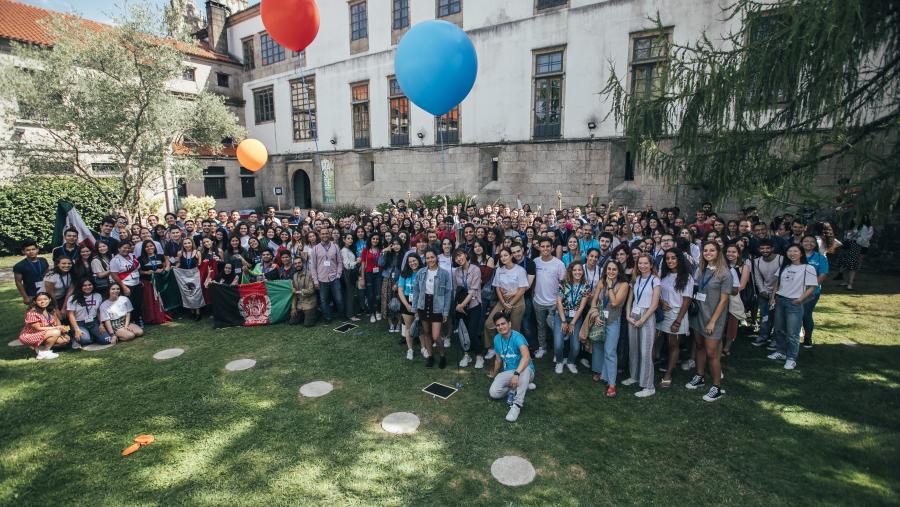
x=37 y=268
x=464 y=274
x=640 y=290
x=65 y=284
x=705 y=280
x=606 y=295
x=48 y=317
x=590 y=279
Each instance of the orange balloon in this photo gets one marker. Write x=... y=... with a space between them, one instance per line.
x=252 y=154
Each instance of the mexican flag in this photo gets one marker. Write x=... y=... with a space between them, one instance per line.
x=252 y=304
x=67 y=216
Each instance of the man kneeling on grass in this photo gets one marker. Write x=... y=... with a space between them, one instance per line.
x=514 y=360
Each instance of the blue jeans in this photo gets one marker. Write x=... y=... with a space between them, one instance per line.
x=765 y=320
x=788 y=319
x=558 y=340
x=606 y=361
x=808 y=323
x=91 y=332
x=373 y=292
x=328 y=292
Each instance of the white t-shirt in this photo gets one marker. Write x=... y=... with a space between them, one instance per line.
x=446 y=263
x=88 y=312
x=121 y=264
x=510 y=280
x=429 y=280
x=114 y=310
x=670 y=295
x=795 y=279
x=643 y=291
x=60 y=283
x=592 y=276
x=547 y=276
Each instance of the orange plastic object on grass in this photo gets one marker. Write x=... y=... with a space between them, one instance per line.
x=139 y=441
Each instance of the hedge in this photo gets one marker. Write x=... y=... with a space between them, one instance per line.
x=28 y=208
x=431 y=202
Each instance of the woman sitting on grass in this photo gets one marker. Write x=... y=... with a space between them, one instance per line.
x=43 y=330
x=115 y=316
x=83 y=309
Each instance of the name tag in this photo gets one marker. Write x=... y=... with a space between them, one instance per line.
x=606 y=314
x=700 y=297
x=326 y=263
x=765 y=318
x=376 y=269
x=39 y=286
x=635 y=316
x=237 y=270
x=570 y=313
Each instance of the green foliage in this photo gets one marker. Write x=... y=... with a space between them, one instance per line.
x=344 y=210
x=432 y=202
x=794 y=86
x=197 y=206
x=28 y=207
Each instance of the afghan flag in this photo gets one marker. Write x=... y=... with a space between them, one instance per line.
x=252 y=304
x=67 y=216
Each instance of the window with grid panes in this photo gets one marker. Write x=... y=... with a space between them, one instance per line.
x=448 y=7
x=648 y=60
x=547 y=4
x=765 y=31
x=448 y=127
x=247 y=49
x=214 y=182
x=264 y=104
x=359 y=106
x=270 y=51
x=548 y=89
x=358 y=23
x=189 y=74
x=303 y=108
x=400 y=14
x=399 y=108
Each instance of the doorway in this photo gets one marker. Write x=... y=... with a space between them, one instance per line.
x=302 y=195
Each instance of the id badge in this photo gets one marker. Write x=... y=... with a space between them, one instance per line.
x=376 y=269
x=765 y=318
x=700 y=297
x=606 y=314
x=39 y=286
x=237 y=271
x=635 y=316
x=326 y=263
x=570 y=313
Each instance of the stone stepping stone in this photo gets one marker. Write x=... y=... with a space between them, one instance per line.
x=513 y=471
x=15 y=343
x=162 y=355
x=315 y=389
x=96 y=347
x=846 y=344
x=400 y=423
x=240 y=364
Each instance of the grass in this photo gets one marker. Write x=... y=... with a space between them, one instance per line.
x=823 y=434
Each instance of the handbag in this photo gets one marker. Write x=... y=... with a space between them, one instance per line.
x=394 y=305
x=660 y=314
x=598 y=331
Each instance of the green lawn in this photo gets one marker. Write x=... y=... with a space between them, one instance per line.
x=823 y=434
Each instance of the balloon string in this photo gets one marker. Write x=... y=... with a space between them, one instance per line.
x=440 y=120
x=313 y=130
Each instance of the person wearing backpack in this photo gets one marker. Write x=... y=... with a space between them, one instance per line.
x=765 y=272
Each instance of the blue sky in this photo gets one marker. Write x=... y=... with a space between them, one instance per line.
x=98 y=10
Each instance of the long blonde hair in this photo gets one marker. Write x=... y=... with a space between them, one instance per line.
x=720 y=264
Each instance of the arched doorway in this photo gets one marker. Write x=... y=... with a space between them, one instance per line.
x=302 y=196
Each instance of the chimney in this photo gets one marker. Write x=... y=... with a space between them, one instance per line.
x=216 y=13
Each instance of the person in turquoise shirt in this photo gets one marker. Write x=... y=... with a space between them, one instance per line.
x=820 y=262
x=513 y=368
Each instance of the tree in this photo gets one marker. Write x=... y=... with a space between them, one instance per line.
x=757 y=111
x=104 y=89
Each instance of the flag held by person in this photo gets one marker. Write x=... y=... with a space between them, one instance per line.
x=252 y=304
x=67 y=216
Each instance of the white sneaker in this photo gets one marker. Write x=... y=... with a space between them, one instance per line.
x=513 y=413
x=425 y=353
x=409 y=354
x=572 y=368
x=644 y=393
x=43 y=355
x=465 y=361
x=584 y=362
x=479 y=362
x=688 y=365
x=790 y=364
x=777 y=356
x=377 y=315
x=559 y=368
x=532 y=386
x=490 y=354
x=628 y=382
x=447 y=342
x=540 y=353
x=372 y=318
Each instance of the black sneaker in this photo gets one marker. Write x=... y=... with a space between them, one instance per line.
x=442 y=363
x=429 y=363
x=696 y=382
x=807 y=344
x=759 y=342
x=715 y=392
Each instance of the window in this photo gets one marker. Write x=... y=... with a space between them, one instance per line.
x=648 y=62
x=214 y=182
x=448 y=127
x=399 y=107
x=248 y=183
x=448 y=7
x=765 y=32
x=303 y=108
x=300 y=56
x=247 y=48
x=189 y=74
x=359 y=105
x=264 y=104
x=358 y=23
x=270 y=51
x=495 y=169
x=400 y=14
x=223 y=80
x=549 y=4
x=548 y=94
x=105 y=168
x=629 y=167
x=181 y=187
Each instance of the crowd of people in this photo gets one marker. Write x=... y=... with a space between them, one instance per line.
x=616 y=291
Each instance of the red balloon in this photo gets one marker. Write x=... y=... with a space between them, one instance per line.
x=292 y=23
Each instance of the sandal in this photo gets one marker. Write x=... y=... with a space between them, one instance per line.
x=665 y=383
x=597 y=377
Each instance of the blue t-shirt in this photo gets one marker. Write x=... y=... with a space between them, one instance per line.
x=820 y=262
x=408 y=285
x=508 y=350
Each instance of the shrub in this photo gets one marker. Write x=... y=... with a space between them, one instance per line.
x=196 y=206
x=431 y=202
x=28 y=207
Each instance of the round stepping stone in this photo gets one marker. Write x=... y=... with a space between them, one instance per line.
x=513 y=471
x=95 y=347
x=15 y=343
x=168 y=354
x=400 y=423
x=315 y=389
x=240 y=364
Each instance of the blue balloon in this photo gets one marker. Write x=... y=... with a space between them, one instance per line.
x=436 y=65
